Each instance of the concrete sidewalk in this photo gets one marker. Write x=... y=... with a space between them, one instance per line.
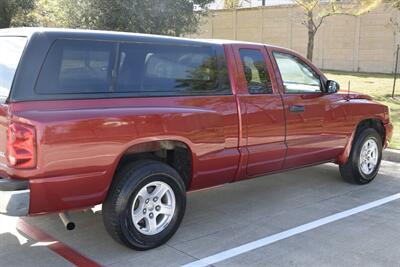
x=391 y=155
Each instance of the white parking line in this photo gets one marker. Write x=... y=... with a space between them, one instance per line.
x=288 y=233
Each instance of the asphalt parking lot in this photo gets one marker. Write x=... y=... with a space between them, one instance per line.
x=220 y=220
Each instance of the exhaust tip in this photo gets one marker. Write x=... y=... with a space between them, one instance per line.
x=69 y=225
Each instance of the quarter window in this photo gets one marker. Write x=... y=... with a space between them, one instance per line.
x=297 y=77
x=255 y=71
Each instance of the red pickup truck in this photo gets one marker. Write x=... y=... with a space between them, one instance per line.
x=135 y=121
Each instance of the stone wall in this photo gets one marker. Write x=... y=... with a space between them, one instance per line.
x=366 y=43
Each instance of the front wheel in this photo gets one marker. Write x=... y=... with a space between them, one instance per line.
x=145 y=204
x=365 y=158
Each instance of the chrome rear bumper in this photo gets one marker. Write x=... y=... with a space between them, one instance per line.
x=14 y=197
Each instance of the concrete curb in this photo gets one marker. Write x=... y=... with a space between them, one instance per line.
x=391 y=155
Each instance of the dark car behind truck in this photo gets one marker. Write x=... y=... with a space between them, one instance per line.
x=135 y=121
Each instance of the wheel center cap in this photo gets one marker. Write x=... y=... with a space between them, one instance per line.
x=150 y=207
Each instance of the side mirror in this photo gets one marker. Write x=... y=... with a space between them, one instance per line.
x=332 y=87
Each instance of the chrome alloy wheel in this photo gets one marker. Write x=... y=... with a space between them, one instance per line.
x=369 y=156
x=153 y=208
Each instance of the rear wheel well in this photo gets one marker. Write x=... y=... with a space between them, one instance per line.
x=375 y=124
x=174 y=153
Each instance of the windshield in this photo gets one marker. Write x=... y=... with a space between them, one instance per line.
x=11 y=49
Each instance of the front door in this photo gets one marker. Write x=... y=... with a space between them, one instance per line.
x=305 y=108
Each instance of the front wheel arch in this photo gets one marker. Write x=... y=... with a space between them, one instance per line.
x=351 y=170
x=374 y=123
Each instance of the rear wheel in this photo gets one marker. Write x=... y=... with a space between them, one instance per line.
x=365 y=158
x=145 y=204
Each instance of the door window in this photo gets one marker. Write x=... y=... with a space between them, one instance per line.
x=297 y=77
x=255 y=71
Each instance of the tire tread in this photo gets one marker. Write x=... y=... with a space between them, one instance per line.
x=121 y=178
x=350 y=171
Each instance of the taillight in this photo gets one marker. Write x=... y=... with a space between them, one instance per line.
x=21 y=145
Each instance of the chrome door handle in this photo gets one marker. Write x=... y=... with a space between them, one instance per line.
x=296 y=108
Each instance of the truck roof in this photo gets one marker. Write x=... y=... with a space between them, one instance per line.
x=65 y=33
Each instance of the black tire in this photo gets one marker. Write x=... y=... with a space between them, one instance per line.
x=127 y=183
x=351 y=170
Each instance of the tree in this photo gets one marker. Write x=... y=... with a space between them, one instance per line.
x=10 y=9
x=316 y=11
x=395 y=24
x=46 y=13
x=394 y=3
x=168 y=17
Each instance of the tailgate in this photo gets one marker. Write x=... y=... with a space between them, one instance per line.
x=11 y=49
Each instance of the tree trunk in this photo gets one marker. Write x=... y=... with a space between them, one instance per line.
x=4 y=24
x=310 y=46
x=5 y=18
x=311 y=35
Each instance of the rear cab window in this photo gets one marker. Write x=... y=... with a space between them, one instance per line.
x=11 y=49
